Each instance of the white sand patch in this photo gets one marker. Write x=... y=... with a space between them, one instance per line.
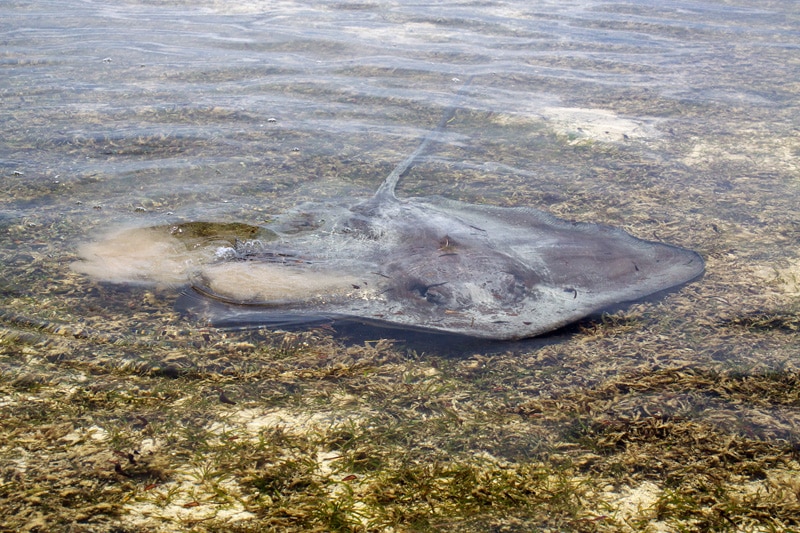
x=149 y=445
x=768 y=152
x=325 y=461
x=253 y=421
x=785 y=279
x=194 y=494
x=601 y=125
x=704 y=152
x=182 y=501
x=637 y=503
x=73 y=437
x=97 y=433
x=198 y=493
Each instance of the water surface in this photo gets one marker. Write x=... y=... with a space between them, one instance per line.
x=677 y=121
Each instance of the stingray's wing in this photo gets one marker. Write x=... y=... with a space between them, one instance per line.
x=593 y=257
x=576 y=268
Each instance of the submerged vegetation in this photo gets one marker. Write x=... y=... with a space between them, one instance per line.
x=675 y=415
x=136 y=425
x=678 y=415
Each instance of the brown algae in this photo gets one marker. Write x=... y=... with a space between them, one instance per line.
x=675 y=415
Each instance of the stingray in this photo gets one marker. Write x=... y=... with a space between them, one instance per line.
x=428 y=263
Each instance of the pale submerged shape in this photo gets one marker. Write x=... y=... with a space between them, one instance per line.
x=438 y=264
x=418 y=263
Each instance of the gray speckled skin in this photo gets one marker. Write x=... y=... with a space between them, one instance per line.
x=438 y=264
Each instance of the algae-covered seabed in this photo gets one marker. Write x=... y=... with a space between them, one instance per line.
x=681 y=414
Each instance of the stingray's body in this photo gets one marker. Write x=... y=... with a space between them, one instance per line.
x=434 y=263
x=423 y=263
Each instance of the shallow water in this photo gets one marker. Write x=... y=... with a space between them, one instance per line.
x=671 y=121
x=677 y=121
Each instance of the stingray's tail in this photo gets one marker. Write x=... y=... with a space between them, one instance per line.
x=388 y=186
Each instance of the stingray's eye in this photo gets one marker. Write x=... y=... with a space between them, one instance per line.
x=435 y=296
x=432 y=293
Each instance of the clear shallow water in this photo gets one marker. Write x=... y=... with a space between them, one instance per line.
x=677 y=121
x=136 y=103
x=628 y=114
